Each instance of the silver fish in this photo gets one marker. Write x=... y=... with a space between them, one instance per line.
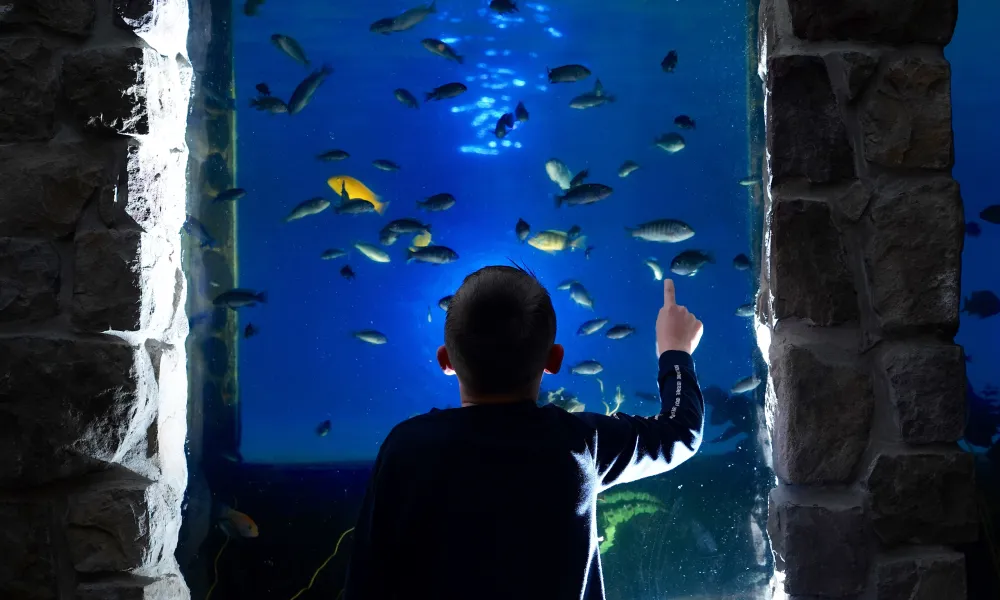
x=745 y=385
x=354 y=207
x=406 y=98
x=304 y=91
x=689 y=262
x=579 y=295
x=591 y=326
x=745 y=310
x=670 y=142
x=558 y=172
x=372 y=252
x=592 y=99
x=585 y=193
x=566 y=283
x=587 y=367
x=306 y=208
x=240 y=297
x=657 y=269
x=627 y=168
x=662 y=230
x=413 y=17
x=436 y=255
x=291 y=47
x=385 y=165
x=371 y=336
x=332 y=253
x=620 y=332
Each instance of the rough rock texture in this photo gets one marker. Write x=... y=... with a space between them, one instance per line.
x=134 y=588
x=906 y=120
x=809 y=276
x=108 y=528
x=27 y=90
x=107 y=293
x=932 y=575
x=915 y=279
x=29 y=569
x=923 y=498
x=29 y=279
x=104 y=87
x=823 y=415
x=73 y=17
x=926 y=384
x=889 y=21
x=856 y=68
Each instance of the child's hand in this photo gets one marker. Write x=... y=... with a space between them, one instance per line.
x=676 y=328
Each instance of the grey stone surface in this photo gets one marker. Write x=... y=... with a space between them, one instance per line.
x=106 y=292
x=108 y=528
x=65 y=407
x=889 y=21
x=27 y=90
x=105 y=90
x=926 y=384
x=822 y=417
x=925 y=497
x=73 y=17
x=28 y=567
x=938 y=574
x=806 y=136
x=29 y=280
x=906 y=119
x=809 y=276
x=856 y=68
x=134 y=588
x=913 y=254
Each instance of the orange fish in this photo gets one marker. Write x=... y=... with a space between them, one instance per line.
x=355 y=190
x=237 y=524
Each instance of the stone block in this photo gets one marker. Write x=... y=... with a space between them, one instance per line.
x=106 y=290
x=108 y=527
x=853 y=69
x=806 y=136
x=27 y=90
x=73 y=17
x=915 y=278
x=66 y=407
x=924 y=497
x=29 y=280
x=134 y=588
x=926 y=384
x=809 y=275
x=105 y=90
x=823 y=548
x=28 y=567
x=822 y=416
x=45 y=186
x=885 y=21
x=932 y=574
x=906 y=119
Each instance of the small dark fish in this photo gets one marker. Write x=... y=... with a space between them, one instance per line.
x=439 y=48
x=568 y=73
x=435 y=255
x=503 y=6
x=991 y=214
x=263 y=89
x=249 y=331
x=269 y=104
x=662 y=230
x=387 y=237
x=240 y=297
x=522 y=229
x=347 y=273
x=290 y=47
x=332 y=253
x=332 y=155
x=587 y=367
x=385 y=165
x=323 y=429
x=741 y=262
x=647 y=397
x=671 y=143
x=307 y=208
x=354 y=207
x=508 y=120
x=689 y=262
x=230 y=195
x=383 y=26
x=982 y=303
x=587 y=193
x=520 y=112
x=304 y=91
x=619 y=332
x=448 y=90
x=501 y=129
x=669 y=62
x=745 y=310
x=591 y=326
x=573 y=233
x=444 y=302
x=972 y=229
x=407 y=226
x=579 y=178
x=437 y=202
x=684 y=122
x=405 y=98
x=194 y=228
x=627 y=168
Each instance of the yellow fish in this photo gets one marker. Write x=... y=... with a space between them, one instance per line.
x=356 y=191
x=553 y=241
x=421 y=240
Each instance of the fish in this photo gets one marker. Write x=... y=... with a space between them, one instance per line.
x=991 y=214
x=662 y=230
x=448 y=90
x=619 y=332
x=290 y=47
x=671 y=143
x=385 y=165
x=669 y=62
x=591 y=326
x=567 y=73
x=592 y=99
x=347 y=272
x=354 y=207
x=690 y=261
x=444 y=302
x=312 y=206
x=972 y=229
x=437 y=202
x=585 y=193
x=741 y=262
x=421 y=240
x=520 y=112
x=429 y=319
x=749 y=181
x=500 y=130
x=565 y=284
x=982 y=303
x=503 y=6
x=553 y=241
x=745 y=310
x=197 y=231
x=647 y=397
x=304 y=91
x=435 y=255
x=587 y=367
x=323 y=429
x=563 y=399
x=332 y=155
x=522 y=230
x=703 y=539
x=356 y=191
x=383 y=26
x=580 y=295
x=263 y=89
x=249 y=331
x=406 y=98
x=628 y=167
x=574 y=232
x=413 y=17
x=439 y=48
x=236 y=524
x=240 y=297
x=745 y=385
x=332 y=253
x=275 y=106
x=656 y=268
x=407 y=226
x=558 y=172
x=387 y=237
x=684 y=122
x=372 y=252
x=579 y=178
x=371 y=336
x=230 y=195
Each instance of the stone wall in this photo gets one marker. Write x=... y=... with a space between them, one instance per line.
x=860 y=298
x=93 y=101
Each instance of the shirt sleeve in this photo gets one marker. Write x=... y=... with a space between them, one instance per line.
x=627 y=448
x=371 y=555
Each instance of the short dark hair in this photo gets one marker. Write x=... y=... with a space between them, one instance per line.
x=499 y=330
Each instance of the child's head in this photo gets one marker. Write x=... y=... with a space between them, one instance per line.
x=499 y=333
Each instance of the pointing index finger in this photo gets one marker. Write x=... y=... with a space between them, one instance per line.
x=669 y=296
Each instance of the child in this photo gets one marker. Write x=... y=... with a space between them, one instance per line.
x=498 y=499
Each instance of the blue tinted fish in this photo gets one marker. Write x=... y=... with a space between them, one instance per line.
x=194 y=228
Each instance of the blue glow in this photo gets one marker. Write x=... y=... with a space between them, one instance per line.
x=490 y=38
x=477 y=150
x=517 y=144
x=495 y=86
x=506 y=52
x=485 y=102
x=449 y=40
x=505 y=71
x=454 y=20
x=541 y=19
x=518 y=83
x=502 y=25
x=538 y=7
x=490 y=52
x=492 y=144
x=505 y=98
x=470 y=77
x=554 y=32
x=542 y=88
x=506 y=143
x=533 y=54
x=484 y=76
x=480 y=65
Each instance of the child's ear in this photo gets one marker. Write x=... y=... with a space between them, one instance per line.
x=554 y=362
x=444 y=361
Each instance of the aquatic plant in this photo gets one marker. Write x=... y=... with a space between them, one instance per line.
x=621 y=507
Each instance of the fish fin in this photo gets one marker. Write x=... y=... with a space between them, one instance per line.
x=428 y=96
x=326 y=69
x=433 y=7
x=262 y=297
x=380 y=206
x=598 y=88
x=578 y=243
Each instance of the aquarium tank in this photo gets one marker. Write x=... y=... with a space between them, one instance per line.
x=352 y=162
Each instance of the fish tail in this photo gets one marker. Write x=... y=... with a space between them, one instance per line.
x=380 y=206
x=262 y=297
x=428 y=96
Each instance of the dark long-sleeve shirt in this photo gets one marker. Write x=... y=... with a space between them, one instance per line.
x=500 y=501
